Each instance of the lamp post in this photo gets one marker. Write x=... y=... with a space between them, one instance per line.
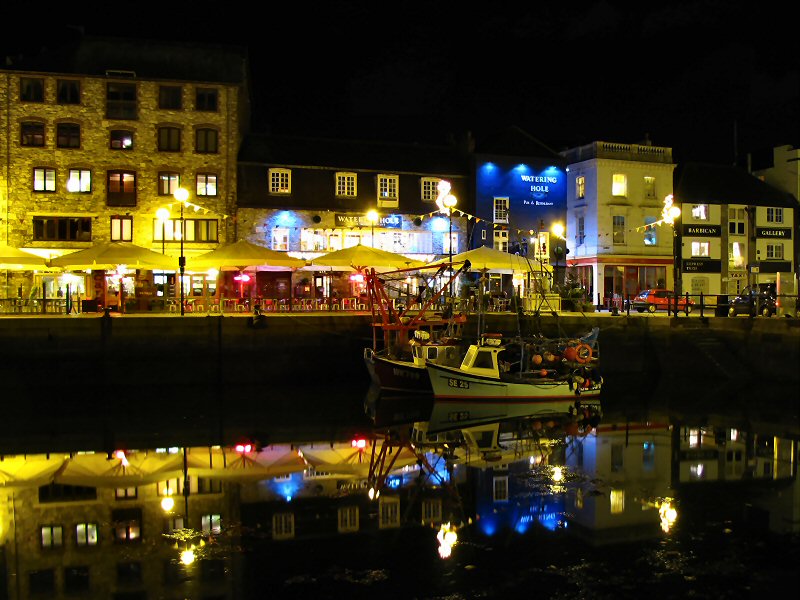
x=558 y=231
x=671 y=213
x=162 y=215
x=181 y=195
x=372 y=217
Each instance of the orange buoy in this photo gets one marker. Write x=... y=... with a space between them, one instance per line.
x=543 y=373
x=571 y=353
x=583 y=353
x=536 y=359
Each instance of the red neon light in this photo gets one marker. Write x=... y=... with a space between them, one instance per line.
x=242 y=448
x=359 y=443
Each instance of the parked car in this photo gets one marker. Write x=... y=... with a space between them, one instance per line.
x=754 y=300
x=660 y=299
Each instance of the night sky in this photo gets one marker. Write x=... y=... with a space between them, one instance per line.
x=712 y=79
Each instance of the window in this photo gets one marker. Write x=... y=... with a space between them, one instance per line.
x=168 y=183
x=388 y=190
x=129 y=573
x=79 y=181
x=170 y=97
x=775 y=251
x=389 y=512
x=121 y=139
x=500 y=489
x=619 y=185
x=121 y=228
x=169 y=487
x=580 y=187
x=52 y=536
x=282 y=526
x=206 y=99
x=500 y=241
x=618 y=232
x=211 y=523
x=121 y=188
x=650 y=188
x=68 y=91
x=200 y=230
x=617 y=501
x=700 y=248
x=130 y=493
x=736 y=221
x=348 y=519
x=42 y=582
x=31 y=89
x=62 y=229
x=31 y=133
x=280 y=239
x=86 y=534
x=280 y=181
x=616 y=458
x=68 y=135
x=774 y=215
x=450 y=242
x=44 y=179
x=736 y=255
x=173 y=524
x=432 y=511
x=648 y=456
x=501 y=210
x=206 y=184
x=127 y=524
x=650 y=237
x=169 y=139
x=206 y=141
x=121 y=101
x=76 y=579
x=56 y=492
x=346 y=185
x=700 y=212
x=430 y=188
x=580 y=230
x=208 y=486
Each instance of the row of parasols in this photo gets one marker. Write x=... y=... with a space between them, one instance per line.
x=244 y=255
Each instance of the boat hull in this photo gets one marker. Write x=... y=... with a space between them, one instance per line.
x=462 y=400
x=397 y=376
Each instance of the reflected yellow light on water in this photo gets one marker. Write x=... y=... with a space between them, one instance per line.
x=668 y=515
x=447 y=537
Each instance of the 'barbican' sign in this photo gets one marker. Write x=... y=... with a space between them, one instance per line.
x=702 y=230
x=778 y=233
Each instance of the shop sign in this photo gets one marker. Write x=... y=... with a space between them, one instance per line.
x=778 y=233
x=695 y=230
x=387 y=221
x=702 y=265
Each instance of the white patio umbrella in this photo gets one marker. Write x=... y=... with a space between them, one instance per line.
x=244 y=255
x=489 y=260
x=359 y=257
x=13 y=259
x=110 y=255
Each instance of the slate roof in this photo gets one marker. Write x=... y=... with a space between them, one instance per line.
x=514 y=141
x=722 y=184
x=291 y=151
x=148 y=59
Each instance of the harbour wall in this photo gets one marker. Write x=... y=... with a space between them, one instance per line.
x=77 y=383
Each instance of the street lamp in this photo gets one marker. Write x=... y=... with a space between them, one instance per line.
x=671 y=213
x=372 y=217
x=446 y=202
x=182 y=195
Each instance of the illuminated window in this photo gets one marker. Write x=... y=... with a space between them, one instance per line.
x=173 y=524
x=168 y=183
x=500 y=241
x=650 y=237
x=121 y=139
x=388 y=190
x=206 y=184
x=128 y=529
x=500 y=489
x=283 y=526
x=31 y=89
x=775 y=251
x=68 y=91
x=431 y=511
x=580 y=187
x=280 y=239
x=312 y=240
x=122 y=228
x=450 y=242
x=650 y=188
x=618 y=232
x=44 y=179
x=736 y=221
x=346 y=185
x=169 y=139
x=348 y=519
x=211 y=523
x=774 y=215
x=617 y=501
x=206 y=141
x=389 y=512
x=697 y=471
x=130 y=493
x=501 y=210
x=51 y=536
x=695 y=438
x=170 y=97
x=68 y=135
x=280 y=181
x=619 y=185
x=86 y=534
x=700 y=212
x=430 y=188
x=700 y=248
x=200 y=230
x=736 y=255
x=79 y=181
x=31 y=133
x=121 y=189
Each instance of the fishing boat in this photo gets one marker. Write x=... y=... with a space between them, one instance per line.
x=406 y=339
x=506 y=379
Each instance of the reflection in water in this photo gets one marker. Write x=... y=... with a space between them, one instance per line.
x=662 y=505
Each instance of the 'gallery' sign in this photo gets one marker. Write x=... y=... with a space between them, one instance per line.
x=778 y=233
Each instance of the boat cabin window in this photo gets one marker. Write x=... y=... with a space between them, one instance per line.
x=433 y=353
x=484 y=360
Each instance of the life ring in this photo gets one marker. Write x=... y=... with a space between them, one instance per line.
x=583 y=353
